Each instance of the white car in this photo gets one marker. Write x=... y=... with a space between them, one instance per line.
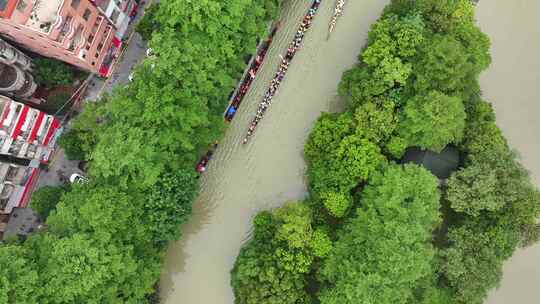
x=76 y=178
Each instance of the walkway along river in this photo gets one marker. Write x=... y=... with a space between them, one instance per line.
x=512 y=84
x=242 y=180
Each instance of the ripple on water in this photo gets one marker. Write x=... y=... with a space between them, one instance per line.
x=244 y=179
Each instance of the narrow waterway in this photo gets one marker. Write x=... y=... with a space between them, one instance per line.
x=512 y=84
x=243 y=180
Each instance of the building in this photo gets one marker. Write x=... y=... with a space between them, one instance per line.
x=16 y=185
x=119 y=12
x=15 y=68
x=25 y=132
x=80 y=32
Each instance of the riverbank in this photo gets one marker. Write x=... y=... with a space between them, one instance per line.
x=512 y=85
x=243 y=180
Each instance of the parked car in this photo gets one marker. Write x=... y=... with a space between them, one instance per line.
x=76 y=178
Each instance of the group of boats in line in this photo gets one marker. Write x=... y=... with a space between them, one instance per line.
x=256 y=62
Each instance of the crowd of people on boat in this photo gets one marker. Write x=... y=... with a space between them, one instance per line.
x=203 y=163
x=338 y=11
x=250 y=76
x=294 y=46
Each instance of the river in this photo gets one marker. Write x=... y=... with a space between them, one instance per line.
x=512 y=84
x=243 y=180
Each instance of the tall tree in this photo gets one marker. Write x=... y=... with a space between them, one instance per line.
x=432 y=121
x=385 y=250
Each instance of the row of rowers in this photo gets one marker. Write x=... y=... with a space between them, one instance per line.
x=282 y=70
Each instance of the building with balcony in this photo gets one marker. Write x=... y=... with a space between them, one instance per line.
x=78 y=32
x=25 y=132
x=15 y=77
x=16 y=185
x=118 y=12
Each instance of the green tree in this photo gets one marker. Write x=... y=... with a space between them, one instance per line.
x=81 y=137
x=432 y=121
x=384 y=251
x=148 y=23
x=169 y=204
x=18 y=276
x=80 y=269
x=45 y=199
x=272 y=267
x=473 y=262
x=376 y=121
x=101 y=211
x=51 y=72
x=474 y=189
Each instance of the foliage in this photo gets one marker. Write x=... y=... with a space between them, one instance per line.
x=45 y=199
x=105 y=240
x=148 y=23
x=97 y=250
x=272 y=266
x=474 y=189
x=18 y=276
x=376 y=121
x=383 y=252
x=169 y=204
x=341 y=157
x=51 y=72
x=81 y=137
x=432 y=121
x=57 y=103
x=442 y=66
x=473 y=262
x=416 y=85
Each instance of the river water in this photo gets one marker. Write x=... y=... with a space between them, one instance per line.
x=512 y=84
x=243 y=180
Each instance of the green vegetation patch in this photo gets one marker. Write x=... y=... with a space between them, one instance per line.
x=394 y=233
x=105 y=239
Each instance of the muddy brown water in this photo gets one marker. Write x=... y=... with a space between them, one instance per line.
x=243 y=180
x=512 y=84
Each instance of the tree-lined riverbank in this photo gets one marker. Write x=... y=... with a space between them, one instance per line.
x=243 y=180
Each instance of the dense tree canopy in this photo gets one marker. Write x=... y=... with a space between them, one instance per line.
x=432 y=121
x=105 y=239
x=18 y=276
x=51 y=72
x=416 y=85
x=384 y=251
x=271 y=268
x=45 y=199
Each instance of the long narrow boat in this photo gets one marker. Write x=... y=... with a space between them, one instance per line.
x=249 y=74
x=338 y=12
x=294 y=46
